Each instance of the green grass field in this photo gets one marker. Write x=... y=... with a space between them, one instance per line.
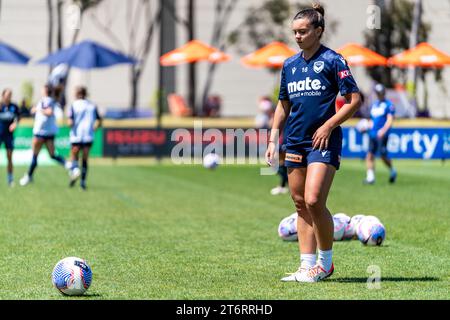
x=183 y=232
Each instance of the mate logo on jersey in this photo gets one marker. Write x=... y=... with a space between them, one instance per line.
x=308 y=87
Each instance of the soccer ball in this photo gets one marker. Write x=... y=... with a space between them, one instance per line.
x=350 y=229
x=72 y=276
x=371 y=232
x=346 y=219
x=287 y=229
x=363 y=125
x=211 y=161
x=372 y=218
x=339 y=228
x=342 y=216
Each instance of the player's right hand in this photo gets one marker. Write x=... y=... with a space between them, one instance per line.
x=270 y=153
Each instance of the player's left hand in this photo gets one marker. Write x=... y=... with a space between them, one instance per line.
x=380 y=134
x=12 y=127
x=321 y=137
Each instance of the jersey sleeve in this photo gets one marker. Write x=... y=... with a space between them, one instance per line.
x=70 y=113
x=283 y=95
x=97 y=115
x=344 y=78
x=16 y=113
x=391 y=108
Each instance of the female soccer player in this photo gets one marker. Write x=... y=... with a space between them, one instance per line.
x=44 y=131
x=83 y=120
x=9 y=118
x=310 y=82
x=382 y=116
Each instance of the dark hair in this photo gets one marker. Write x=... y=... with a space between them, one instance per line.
x=49 y=89
x=315 y=15
x=81 y=92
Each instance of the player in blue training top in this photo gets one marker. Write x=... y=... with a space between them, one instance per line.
x=9 y=118
x=310 y=82
x=45 y=129
x=84 y=120
x=382 y=116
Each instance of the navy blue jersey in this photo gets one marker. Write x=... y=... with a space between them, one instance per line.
x=378 y=113
x=311 y=86
x=8 y=112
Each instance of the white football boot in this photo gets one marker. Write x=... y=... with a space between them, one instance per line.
x=279 y=190
x=315 y=274
x=74 y=174
x=26 y=179
x=294 y=276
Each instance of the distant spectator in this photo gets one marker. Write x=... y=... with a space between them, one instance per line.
x=24 y=110
x=212 y=106
x=265 y=113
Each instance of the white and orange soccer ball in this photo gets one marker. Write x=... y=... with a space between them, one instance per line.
x=287 y=229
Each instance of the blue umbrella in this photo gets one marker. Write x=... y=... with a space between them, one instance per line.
x=87 y=55
x=10 y=55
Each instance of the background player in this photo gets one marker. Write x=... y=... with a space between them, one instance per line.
x=9 y=118
x=310 y=82
x=44 y=131
x=83 y=120
x=382 y=117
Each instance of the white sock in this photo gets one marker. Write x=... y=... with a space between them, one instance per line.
x=326 y=259
x=307 y=260
x=370 y=175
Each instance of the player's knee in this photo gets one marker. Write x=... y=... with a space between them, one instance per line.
x=299 y=202
x=312 y=201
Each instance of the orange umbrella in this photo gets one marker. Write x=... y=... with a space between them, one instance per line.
x=271 y=55
x=423 y=55
x=193 y=51
x=357 y=55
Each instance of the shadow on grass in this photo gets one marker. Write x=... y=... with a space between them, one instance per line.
x=385 y=279
x=85 y=296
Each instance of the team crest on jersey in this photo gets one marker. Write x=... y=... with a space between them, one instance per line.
x=318 y=66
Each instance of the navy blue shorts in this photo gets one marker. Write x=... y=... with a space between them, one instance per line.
x=45 y=138
x=8 y=140
x=81 y=144
x=376 y=144
x=302 y=157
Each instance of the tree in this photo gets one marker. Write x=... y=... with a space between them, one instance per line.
x=395 y=36
x=137 y=13
x=223 y=10
x=84 y=6
x=269 y=22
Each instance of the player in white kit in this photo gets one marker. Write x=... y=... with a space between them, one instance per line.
x=84 y=119
x=44 y=131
